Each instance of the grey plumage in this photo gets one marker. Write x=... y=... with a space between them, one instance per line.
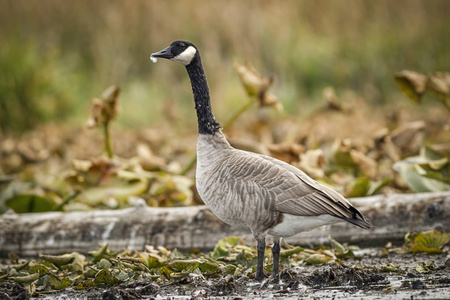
x=252 y=191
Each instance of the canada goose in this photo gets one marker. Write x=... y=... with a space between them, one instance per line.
x=252 y=191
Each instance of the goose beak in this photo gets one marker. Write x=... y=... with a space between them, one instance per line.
x=165 y=53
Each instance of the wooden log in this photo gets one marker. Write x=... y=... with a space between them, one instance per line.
x=196 y=227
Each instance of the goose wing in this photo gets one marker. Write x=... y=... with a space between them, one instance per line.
x=294 y=192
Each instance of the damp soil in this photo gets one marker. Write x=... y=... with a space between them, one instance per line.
x=353 y=279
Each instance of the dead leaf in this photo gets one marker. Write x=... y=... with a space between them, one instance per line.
x=438 y=84
x=106 y=108
x=366 y=164
x=312 y=163
x=289 y=153
x=332 y=101
x=257 y=86
x=316 y=259
x=409 y=137
x=341 y=153
x=411 y=83
x=148 y=160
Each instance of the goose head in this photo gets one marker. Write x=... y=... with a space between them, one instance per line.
x=179 y=51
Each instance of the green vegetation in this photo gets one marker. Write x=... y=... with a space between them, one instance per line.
x=56 y=55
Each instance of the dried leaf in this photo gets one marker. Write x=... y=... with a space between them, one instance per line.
x=312 y=162
x=330 y=97
x=316 y=259
x=58 y=260
x=409 y=137
x=289 y=153
x=26 y=278
x=411 y=83
x=366 y=164
x=390 y=268
x=438 y=84
x=257 y=86
x=106 y=108
x=148 y=160
x=426 y=268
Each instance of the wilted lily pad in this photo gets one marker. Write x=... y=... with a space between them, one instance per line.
x=59 y=283
x=427 y=172
x=411 y=83
x=26 y=278
x=426 y=267
x=183 y=265
x=58 y=260
x=429 y=241
x=223 y=247
x=316 y=259
x=105 y=277
x=30 y=203
x=152 y=260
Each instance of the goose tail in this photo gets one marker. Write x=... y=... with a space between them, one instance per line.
x=359 y=220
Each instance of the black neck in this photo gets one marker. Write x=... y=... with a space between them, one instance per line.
x=206 y=121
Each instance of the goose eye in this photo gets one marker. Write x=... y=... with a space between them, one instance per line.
x=183 y=45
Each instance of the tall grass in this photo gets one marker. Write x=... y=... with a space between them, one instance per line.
x=56 y=55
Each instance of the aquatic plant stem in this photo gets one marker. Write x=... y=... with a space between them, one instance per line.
x=108 y=146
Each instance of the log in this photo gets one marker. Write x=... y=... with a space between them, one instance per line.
x=196 y=227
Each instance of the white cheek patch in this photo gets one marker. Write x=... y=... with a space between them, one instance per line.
x=186 y=56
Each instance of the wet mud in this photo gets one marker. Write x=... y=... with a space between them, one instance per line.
x=394 y=276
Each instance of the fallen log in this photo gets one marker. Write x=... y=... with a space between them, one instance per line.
x=196 y=227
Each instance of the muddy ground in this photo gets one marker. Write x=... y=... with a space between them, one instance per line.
x=371 y=277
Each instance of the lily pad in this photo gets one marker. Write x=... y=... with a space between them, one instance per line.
x=152 y=260
x=336 y=245
x=427 y=172
x=105 y=277
x=58 y=260
x=426 y=268
x=429 y=241
x=182 y=265
x=223 y=247
x=26 y=278
x=29 y=203
x=59 y=283
x=316 y=259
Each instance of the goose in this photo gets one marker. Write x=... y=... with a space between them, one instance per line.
x=252 y=191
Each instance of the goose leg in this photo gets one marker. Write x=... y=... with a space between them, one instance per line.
x=260 y=263
x=276 y=256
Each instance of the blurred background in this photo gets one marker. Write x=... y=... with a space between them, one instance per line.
x=57 y=55
x=341 y=117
